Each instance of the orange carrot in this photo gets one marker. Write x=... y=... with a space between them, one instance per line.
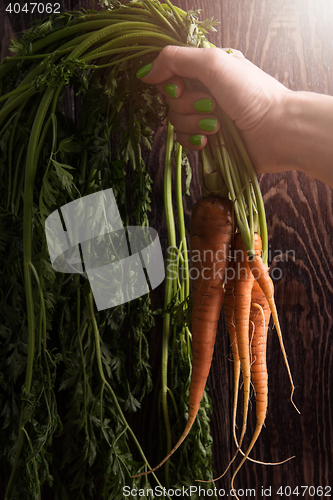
x=243 y=283
x=237 y=309
x=259 y=322
x=211 y=234
x=237 y=305
x=229 y=314
x=260 y=273
x=260 y=314
x=259 y=319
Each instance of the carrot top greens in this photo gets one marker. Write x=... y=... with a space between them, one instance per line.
x=67 y=374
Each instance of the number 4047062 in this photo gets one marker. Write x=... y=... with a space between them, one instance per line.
x=40 y=7
x=302 y=491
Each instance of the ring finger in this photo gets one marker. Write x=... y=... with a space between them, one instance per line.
x=194 y=124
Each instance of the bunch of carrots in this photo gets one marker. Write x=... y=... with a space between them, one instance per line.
x=242 y=286
x=231 y=215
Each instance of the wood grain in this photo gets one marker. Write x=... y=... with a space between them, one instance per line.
x=292 y=41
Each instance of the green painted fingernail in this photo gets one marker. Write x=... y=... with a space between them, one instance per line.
x=142 y=72
x=208 y=124
x=204 y=105
x=171 y=89
x=196 y=140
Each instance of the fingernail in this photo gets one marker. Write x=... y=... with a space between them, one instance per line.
x=208 y=124
x=142 y=72
x=171 y=89
x=203 y=105
x=196 y=140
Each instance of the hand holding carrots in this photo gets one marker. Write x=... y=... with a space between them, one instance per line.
x=281 y=129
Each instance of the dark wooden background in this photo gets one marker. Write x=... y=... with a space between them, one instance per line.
x=293 y=41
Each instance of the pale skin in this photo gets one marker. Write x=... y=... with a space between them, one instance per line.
x=282 y=129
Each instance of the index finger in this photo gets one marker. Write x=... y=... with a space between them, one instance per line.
x=186 y=62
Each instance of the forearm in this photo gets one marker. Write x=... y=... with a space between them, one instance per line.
x=307 y=135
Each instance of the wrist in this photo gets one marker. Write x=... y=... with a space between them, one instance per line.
x=294 y=132
x=305 y=136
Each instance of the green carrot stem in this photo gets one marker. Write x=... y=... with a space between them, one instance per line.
x=29 y=78
x=68 y=32
x=173 y=402
x=6 y=67
x=33 y=461
x=67 y=46
x=143 y=15
x=127 y=28
x=256 y=188
x=15 y=103
x=129 y=39
x=181 y=222
x=27 y=259
x=179 y=197
x=79 y=334
x=170 y=278
x=10 y=152
x=27 y=58
x=52 y=118
x=17 y=167
x=161 y=16
x=96 y=37
x=238 y=208
x=42 y=311
x=18 y=193
x=27 y=222
x=137 y=51
x=17 y=90
x=175 y=11
x=231 y=166
x=127 y=58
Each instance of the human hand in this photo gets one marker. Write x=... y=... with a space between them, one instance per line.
x=254 y=100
